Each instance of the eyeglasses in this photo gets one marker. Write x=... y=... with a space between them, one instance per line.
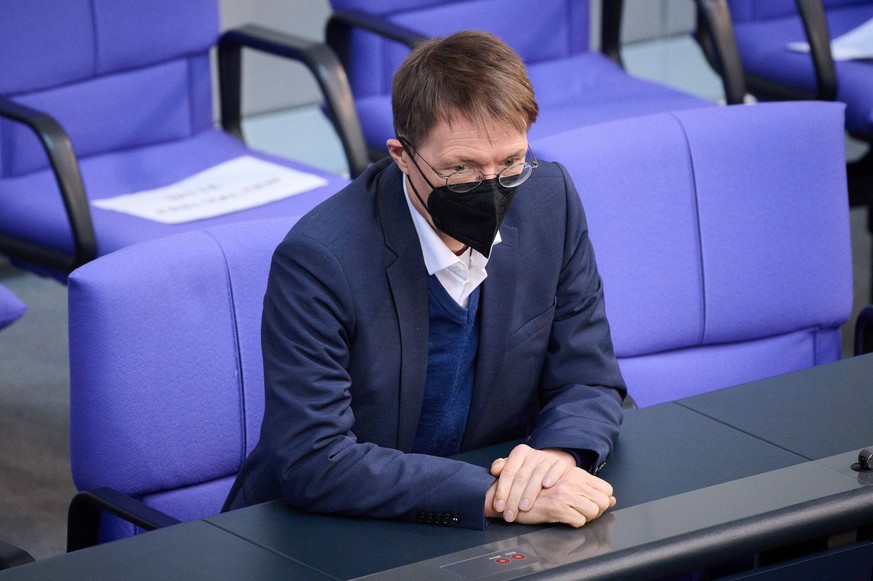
x=467 y=180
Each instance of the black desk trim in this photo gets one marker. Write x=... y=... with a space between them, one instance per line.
x=809 y=520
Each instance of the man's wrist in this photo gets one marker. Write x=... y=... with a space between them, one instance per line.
x=489 y=502
x=584 y=459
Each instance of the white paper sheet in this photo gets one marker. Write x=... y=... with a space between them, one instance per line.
x=238 y=184
x=855 y=44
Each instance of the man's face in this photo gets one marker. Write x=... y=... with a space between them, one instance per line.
x=457 y=145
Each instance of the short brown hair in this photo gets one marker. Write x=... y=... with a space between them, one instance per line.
x=472 y=73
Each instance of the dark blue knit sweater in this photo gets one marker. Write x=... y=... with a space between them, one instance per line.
x=452 y=348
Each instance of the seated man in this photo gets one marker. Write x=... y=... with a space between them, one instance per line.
x=446 y=300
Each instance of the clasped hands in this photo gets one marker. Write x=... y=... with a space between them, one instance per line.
x=545 y=486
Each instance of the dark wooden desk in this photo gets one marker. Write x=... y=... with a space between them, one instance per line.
x=816 y=413
x=663 y=451
x=730 y=473
x=194 y=550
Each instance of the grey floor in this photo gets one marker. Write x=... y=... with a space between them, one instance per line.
x=35 y=480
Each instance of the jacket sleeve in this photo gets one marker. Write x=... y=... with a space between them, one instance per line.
x=581 y=388
x=307 y=336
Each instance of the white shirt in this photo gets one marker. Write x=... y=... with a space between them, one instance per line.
x=459 y=275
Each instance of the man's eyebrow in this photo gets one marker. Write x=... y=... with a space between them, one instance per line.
x=520 y=152
x=463 y=160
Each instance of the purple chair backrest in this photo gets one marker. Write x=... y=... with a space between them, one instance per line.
x=166 y=378
x=116 y=74
x=754 y=10
x=538 y=30
x=722 y=236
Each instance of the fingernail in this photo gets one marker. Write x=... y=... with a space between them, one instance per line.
x=508 y=516
x=500 y=505
x=524 y=504
x=547 y=481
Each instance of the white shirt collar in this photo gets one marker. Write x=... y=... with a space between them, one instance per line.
x=437 y=255
x=459 y=275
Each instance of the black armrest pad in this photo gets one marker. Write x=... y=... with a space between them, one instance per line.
x=864 y=331
x=816 y=27
x=12 y=556
x=45 y=126
x=83 y=522
x=339 y=26
x=611 y=12
x=715 y=34
x=321 y=62
x=59 y=149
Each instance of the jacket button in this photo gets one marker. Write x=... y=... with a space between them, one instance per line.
x=438 y=518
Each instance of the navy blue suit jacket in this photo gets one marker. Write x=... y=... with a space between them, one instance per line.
x=345 y=344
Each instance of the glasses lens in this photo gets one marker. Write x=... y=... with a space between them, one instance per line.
x=515 y=175
x=464 y=181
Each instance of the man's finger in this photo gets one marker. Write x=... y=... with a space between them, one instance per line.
x=534 y=485
x=507 y=475
x=599 y=498
x=601 y=485
x=556 y=471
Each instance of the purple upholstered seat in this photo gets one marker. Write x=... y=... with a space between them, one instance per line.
x=130 y=84
x=11 y=307
x=166 y=378
x=575 y=85
x=722 y=236
x=763 y=28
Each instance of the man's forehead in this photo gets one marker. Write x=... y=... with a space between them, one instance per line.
x=461 y=137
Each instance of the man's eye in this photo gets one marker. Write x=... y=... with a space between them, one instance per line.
x=510 y=161
x=459 y=168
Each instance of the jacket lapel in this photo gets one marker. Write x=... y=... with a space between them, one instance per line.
x=407 y=278
x=496 y=304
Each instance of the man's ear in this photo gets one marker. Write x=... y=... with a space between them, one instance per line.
x=396 y=151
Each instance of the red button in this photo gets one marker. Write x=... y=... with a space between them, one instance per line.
x=501 y=561
x=519 y=556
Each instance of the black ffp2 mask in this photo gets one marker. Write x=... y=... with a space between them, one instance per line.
x=472 y=218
